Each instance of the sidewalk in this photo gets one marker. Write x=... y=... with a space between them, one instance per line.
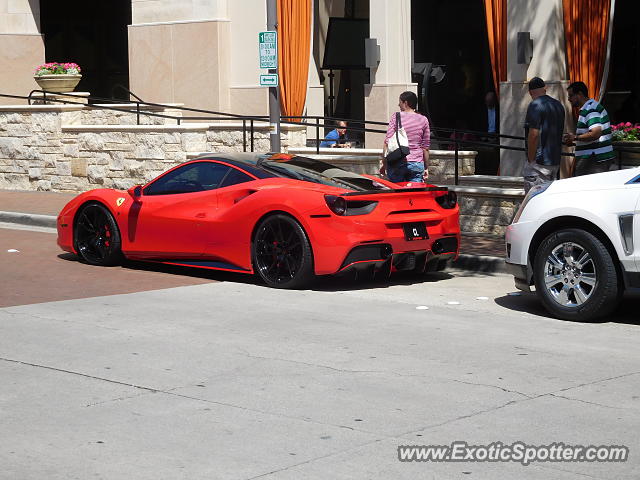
x=478 y=252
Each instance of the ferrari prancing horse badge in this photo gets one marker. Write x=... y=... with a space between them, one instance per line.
x=120 y=201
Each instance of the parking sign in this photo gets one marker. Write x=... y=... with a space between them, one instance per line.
x=268 y=48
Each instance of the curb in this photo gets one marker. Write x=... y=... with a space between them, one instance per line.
x=480 y=263
x=32 y=219
x=473 y=263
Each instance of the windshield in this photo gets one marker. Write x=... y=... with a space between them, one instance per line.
x=316 y=171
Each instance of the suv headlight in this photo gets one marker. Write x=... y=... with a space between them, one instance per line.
x=535 y=190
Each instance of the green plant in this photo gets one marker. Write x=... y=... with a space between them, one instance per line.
x=55 y=68
x=626 y=132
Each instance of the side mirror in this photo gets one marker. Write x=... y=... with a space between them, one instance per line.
x=136 y=192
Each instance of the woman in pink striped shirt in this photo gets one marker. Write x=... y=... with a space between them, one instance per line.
x=414 y=167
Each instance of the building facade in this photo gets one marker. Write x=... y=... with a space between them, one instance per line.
x=204 y=54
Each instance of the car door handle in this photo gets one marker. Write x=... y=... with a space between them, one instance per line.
x=201 y=215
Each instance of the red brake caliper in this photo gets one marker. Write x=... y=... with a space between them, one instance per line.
x=275 y=254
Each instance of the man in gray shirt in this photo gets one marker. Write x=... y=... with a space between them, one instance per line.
x=544 y=126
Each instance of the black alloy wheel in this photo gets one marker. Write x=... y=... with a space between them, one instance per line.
x=575 y=276
x=281 y=253
x=96 y=236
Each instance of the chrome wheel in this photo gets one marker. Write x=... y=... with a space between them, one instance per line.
x=575 y=275
x=570 y=274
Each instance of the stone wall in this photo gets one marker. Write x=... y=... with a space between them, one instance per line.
x=442 y=165
x=367 y=160
x=77 y=148
x=487 y=209
x=124 y=115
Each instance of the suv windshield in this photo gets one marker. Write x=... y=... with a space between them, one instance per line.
x=310 y=170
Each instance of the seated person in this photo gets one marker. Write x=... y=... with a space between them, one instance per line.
x=336 y=137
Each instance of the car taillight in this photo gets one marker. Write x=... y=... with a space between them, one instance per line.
x=337 y=205
x=340 y=206
x=447 y=201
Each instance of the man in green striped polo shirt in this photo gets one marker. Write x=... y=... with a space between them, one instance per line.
x=594 y=150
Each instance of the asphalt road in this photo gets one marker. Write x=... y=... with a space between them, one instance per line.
x=226 y=379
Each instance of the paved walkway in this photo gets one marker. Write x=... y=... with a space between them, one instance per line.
x=42 y=203
x=50 y=203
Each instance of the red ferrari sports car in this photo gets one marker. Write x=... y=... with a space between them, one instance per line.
x=285 y=218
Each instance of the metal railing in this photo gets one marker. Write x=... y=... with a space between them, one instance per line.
x=457 y=142
x=250 y=122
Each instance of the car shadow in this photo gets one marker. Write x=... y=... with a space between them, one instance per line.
x=213 y=275
x=475 y=273
x=329 y=283
x=326 y=283
x=528 y=302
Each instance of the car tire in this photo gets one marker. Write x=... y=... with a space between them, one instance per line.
x=442 y=265
x=281 y=253
x=575 y=276
x=96 y=236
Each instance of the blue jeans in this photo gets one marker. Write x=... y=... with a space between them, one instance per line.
x=406 y=172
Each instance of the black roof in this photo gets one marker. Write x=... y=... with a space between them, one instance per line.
x=246 y=161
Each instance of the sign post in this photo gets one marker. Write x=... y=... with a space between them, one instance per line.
x=268 y=48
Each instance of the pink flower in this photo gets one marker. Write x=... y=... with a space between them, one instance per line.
x=628 y=124
x=57 y=68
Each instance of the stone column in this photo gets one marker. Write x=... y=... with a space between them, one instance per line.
x=390 y=25
x=315 y=90
x=247 y=97
x=21 y=47
x=315 y=97
x=543 y=19
x=180 y=51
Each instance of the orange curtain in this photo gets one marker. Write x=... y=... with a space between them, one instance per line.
x=294 y=37
x=586 y=31
x=496 y=17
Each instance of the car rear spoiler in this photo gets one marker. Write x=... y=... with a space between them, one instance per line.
x=396 y=190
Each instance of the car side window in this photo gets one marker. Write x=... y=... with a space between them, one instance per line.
x=195 y=177
x=234 y=177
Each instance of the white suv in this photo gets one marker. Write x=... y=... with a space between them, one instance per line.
x=577 y=240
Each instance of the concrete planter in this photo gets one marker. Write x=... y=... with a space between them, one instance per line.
x=58 y=83
x=628 y=152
